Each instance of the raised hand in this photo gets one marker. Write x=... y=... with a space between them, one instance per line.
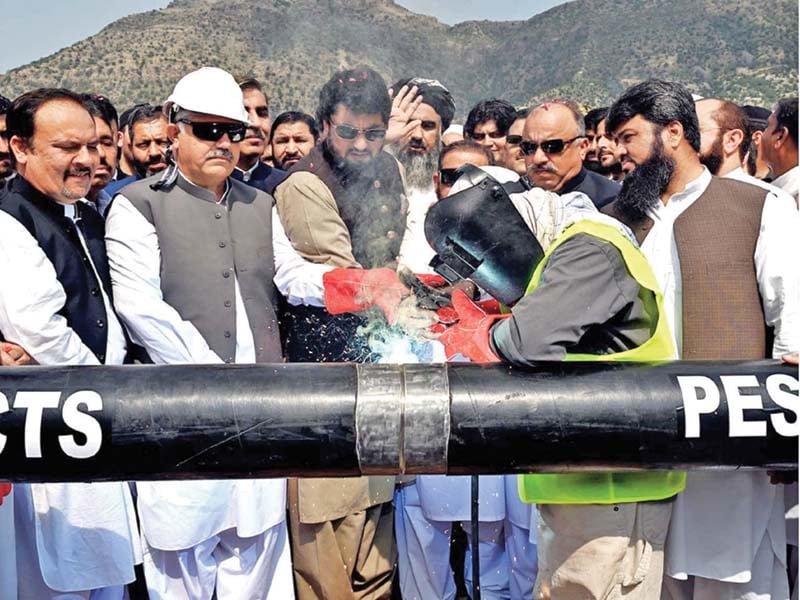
x=404 y=102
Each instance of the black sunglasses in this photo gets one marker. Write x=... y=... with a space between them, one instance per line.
x=449 y=176
x=479 y=137
x=547 y=146
x=513 y=140
x=348 y=132
x=212 y=132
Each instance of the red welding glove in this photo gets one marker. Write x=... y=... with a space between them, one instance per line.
x=469 y=336
x=429 y=279
x=352 y=290
x=5 y=490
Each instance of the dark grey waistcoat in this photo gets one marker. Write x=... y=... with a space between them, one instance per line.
x=204 y=245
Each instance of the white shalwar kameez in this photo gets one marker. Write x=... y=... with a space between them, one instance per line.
x=198 y=536
x=73 y=540
x=425 y=509
x=727 y=535
x=8 y=557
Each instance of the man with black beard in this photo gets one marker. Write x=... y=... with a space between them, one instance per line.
x=343 y=210
x=148 y=147
x=6 y=164
x=757 y=117
x=725 y=140
x=293 y=135
x=720 y=250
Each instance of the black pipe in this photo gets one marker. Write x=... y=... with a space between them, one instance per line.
x=197 y=421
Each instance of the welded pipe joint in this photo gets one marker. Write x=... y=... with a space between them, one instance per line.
x=402 y=418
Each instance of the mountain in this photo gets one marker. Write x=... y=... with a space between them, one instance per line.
x=586 y=50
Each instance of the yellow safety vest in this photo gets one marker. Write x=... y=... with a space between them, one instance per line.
x=611 y=488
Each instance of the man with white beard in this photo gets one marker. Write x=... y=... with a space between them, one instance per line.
x=421 y=116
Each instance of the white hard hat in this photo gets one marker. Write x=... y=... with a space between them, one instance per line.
x=210 y=91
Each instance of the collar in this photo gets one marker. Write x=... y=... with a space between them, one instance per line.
x=572 y=184
x=246 y=175
x=694 y=188
x=199 y=192
x=689 y=194
x=790 y=175
x=737 y=173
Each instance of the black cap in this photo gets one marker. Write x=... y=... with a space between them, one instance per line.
x=757 y=116
x=433 y=93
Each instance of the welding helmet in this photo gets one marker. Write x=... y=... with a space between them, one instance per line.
x=478 y=234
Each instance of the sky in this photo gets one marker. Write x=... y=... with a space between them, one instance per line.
x=33 y=29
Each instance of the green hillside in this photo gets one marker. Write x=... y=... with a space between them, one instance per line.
x=587 y=50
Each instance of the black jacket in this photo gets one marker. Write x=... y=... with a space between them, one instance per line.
x=264 y=177
x=600 y=190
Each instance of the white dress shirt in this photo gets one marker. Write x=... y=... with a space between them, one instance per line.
x=85 y=533
x=790 y=179
x=415 y=251
x=29 y=308
x=720 y=520
x=180 y=515
x=774 y=261
x=298 y=279
x=740 y=175
x=134 y=258
x=789 y=182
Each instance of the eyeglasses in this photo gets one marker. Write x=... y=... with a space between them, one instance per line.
x=212 y=132
x=479 y=137
x=513 y=140
x=547 y=146
x=348 y=132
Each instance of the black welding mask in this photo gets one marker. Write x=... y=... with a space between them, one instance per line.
x=479 y=235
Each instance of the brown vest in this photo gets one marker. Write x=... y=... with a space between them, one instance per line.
x=723 y=318
x=371 y=204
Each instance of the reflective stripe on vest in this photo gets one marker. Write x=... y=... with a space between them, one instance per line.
x=611 y=488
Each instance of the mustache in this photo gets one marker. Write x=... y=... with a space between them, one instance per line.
x=220 y=153
x=77 y=172
x=547 y=168
x=255 y=132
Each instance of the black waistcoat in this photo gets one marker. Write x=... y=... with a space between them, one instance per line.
x=372 y=205
x=57 y=235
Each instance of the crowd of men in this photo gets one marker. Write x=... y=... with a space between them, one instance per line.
x=202 y=231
